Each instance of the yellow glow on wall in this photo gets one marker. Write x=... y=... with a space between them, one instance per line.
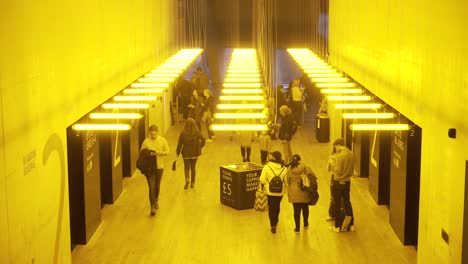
x=161 y=71
x=125 y=106
x=238 y=127
x=143 y=91
x=364 y=127
x=349 y=98
x=341 y=91
x=358 y=106
x=239 y=115
x=241 y=85
x=156 y=80
x=242 y=91
x=368 y=115
x=317 y=67
x=241 y=97
x=115 y=115
x=135 y=98
x=104 y=127
x=240 y=106
x=161 y=75
x=329 y=85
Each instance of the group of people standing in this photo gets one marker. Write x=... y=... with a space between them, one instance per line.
x=340 y=167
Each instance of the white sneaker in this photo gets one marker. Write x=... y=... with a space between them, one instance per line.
x=335 y=229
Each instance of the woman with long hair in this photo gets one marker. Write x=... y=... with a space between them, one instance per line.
x=189 y=145
x=299 y=197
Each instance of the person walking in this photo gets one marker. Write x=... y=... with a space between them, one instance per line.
x=159 y=147
x=342 y=172
x=272 y=179
x=190 y=145
x=298 y=196
x=286 y=132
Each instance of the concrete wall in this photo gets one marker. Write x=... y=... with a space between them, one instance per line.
x=412 y=55
x=58 y=61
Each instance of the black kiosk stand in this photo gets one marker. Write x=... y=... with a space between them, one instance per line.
x=238 y=184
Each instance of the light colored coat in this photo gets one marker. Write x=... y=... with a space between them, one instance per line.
x=294 y=184
x=267 y=175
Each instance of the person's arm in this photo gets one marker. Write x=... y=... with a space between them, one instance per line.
x=263 y=176
x=164 y=148
x=202 y=140
x=179 y=145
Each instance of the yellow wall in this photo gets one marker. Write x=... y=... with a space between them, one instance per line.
x=412 y=55
x=58 y=61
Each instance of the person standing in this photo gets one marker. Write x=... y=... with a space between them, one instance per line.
x=272 y=178
x=299 y=197
x=264 y=140
x=342 y=172
x=286 y=132
x=330 y=168
x=190 y=145
x=160 y=147
x=245 y=141
x=296 y=101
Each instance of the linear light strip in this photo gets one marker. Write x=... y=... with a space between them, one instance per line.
x=363 y=127
x=143 y=91
x=115 y=115
x=135 y=98
x=330 y=79
x=341 y=91
x=357 y=106
x=330 y=85
x=125 y=106
x=104 y=127
x=368 y=115
x=149 y=85
x=349 y=98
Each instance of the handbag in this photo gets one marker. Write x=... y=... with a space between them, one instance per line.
x=261 y=199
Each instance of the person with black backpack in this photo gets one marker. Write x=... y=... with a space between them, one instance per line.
x=272 y=179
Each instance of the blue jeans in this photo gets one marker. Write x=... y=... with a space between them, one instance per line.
x=340 y=193
x=274 y=209
x=154 y=182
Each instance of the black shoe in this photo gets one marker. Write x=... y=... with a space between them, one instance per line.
x=153 y=211
x=297 y=230
x=186 y=185
x=306 y=226
x=273 y=229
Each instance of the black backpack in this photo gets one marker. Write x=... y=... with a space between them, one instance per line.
x=276 y=184
x=313 y=189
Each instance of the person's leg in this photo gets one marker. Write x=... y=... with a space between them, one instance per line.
x=337 y=190
x=347 y=202
x=248 y=150
x=151 y=180
x=297 y=216
x=331 y=210
x=193 y=165
x=287 y=152
x=305 y=214
x=187 y=173
x=263 y=156
x=243 y=153
x=274 y=210
x=159 y=173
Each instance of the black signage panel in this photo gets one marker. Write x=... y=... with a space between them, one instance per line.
x=84 y=185
x=379 y=166
x=404 y=184
x=110 y=146
x=130 y=151
x=238 y=184
x=361 y=153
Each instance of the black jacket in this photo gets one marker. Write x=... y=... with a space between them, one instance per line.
x=286 y=129
x=147 y=163
x=190 y=145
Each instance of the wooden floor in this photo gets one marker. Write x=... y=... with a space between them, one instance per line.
x=192 y=226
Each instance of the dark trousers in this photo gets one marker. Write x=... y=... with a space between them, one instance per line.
x=298 y=207
x=245 y=151
x=184 y=102
x=263 y=156
x=331 y=208
x=274 y=209
x=154 y=182
x=189 y=169
x=340 y=192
